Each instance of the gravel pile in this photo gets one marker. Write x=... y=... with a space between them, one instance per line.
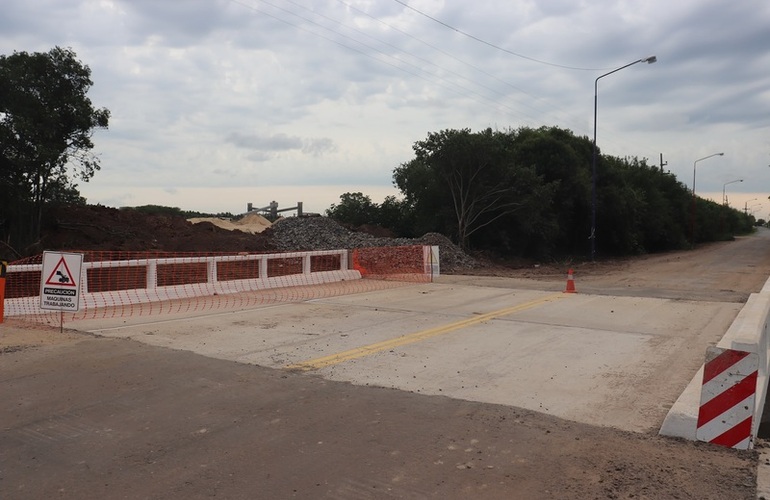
x=322 y=233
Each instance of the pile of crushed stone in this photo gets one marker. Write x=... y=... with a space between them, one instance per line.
x=322 y=233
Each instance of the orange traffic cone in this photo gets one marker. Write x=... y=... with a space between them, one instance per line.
x=570 y=283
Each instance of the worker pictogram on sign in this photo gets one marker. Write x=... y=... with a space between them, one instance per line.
x=61 y=275
x=727 y=398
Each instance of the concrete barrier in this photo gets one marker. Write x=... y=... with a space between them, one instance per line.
x=748 y=332
x=214 y=284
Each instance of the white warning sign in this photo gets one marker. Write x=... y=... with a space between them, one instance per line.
x=60 y=281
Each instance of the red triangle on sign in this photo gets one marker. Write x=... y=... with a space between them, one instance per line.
x=61 y=275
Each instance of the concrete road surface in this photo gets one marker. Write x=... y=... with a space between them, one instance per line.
x=614 y=361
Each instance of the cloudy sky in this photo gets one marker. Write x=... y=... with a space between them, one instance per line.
x=217 y=103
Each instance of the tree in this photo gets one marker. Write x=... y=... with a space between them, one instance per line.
x=562 y=162
x=527 y=193
x=46 y=125
x=397 y=216
x=355 y=209
x=476 y=173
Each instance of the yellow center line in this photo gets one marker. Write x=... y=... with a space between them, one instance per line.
x=358 y=352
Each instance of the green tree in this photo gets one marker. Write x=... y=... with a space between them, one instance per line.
x=527 y=193
x=474 y=172
x=562 y=162
x=426 y=198
x=354 y=209
x=46 y=126
x=665 y=206
x=398 y=216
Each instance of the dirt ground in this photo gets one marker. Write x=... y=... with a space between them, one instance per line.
x=91 y=417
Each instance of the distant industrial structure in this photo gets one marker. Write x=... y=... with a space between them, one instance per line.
x=271 y=211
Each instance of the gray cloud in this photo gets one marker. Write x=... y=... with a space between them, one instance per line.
x=337 y=92
x=264 y=147
x=277 y=142
x=317 y=147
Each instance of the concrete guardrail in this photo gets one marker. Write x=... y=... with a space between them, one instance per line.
x=748 y=332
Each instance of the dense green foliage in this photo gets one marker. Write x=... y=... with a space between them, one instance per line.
x=527 y=193
x=355 y=209
x=46 y=124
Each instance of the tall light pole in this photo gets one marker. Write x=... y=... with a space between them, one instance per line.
x=696 y=163
x=592 y=237
x=724 y=196
x=692 y=222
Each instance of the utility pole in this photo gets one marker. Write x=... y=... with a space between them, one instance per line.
x=661 y=163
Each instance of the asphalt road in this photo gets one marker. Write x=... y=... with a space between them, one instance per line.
x=566 y=355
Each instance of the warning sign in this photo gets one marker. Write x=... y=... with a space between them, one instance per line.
x=60 y=283
x=61 y=275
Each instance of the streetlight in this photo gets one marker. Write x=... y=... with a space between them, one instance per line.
x=693 y=168
x=724 y=197
x=592 y=237
x=692 y=223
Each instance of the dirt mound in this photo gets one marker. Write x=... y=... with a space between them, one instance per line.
x=94 y=227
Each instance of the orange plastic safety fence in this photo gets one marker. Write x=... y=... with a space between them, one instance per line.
x=390 y=263
x=124 y=284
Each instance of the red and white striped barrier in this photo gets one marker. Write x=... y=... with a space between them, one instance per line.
x=728 y=397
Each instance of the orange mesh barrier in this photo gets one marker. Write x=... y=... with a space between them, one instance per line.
x=391 y=263
x=121 y=284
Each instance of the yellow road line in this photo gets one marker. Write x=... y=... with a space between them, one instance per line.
x=358 y=352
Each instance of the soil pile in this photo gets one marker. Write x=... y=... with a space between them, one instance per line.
x=94 y=227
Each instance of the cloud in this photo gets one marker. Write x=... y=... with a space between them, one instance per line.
x=317 y=147
x=230 y=94
x=266 y=147
x=277 y=142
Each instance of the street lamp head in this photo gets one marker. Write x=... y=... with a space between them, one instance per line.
x=721 y=154
x=650 y=59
